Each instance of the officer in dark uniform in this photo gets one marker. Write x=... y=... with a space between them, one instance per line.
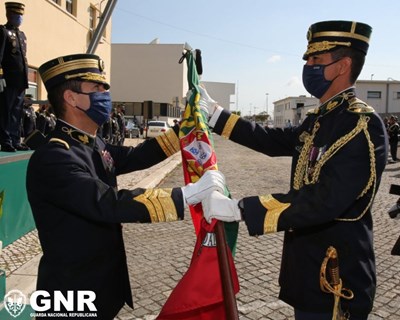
x=393 y=131
x=115 y=131
x=28 y=122
x=13 y=78
x=120 y=115
x=72 y=188
x=339 y=153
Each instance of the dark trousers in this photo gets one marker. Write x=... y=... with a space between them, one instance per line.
x=393 y=149
x=301 y=315
x=11 y=104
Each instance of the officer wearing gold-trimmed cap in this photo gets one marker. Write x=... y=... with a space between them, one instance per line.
x=13 y=78
x=339 y=153
x=72 y=188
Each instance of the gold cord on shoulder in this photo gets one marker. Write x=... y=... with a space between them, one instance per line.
x=301 y=166
x=301 y=176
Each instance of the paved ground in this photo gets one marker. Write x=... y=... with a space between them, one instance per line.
x=159 y=254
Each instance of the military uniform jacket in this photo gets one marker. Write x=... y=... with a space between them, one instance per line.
x=339 y=153
x=71 y=185
x=13 y=62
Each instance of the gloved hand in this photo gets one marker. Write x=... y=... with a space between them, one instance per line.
x=212 y=180
x=2 y=84
x=218 y=206
x=206 y=103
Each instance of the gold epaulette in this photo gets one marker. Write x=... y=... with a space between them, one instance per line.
x=312 y=111
x=60 y=141
x=360 y=107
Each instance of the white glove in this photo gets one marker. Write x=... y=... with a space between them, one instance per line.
x=2 y=84
x=218 y=206
x=206 y=103
x=212 y=180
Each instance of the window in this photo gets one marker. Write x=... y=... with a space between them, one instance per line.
x=397 y=95
x=32 y=79
x=92 y=18
x=57 y=1
x=374 y=95
x=69 y=6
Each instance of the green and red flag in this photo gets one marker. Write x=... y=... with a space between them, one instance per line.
x=197 y=145
x=201 y=292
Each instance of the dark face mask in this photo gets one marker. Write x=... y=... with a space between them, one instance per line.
x=314 y=79
x=15 y=20
x=100 y=106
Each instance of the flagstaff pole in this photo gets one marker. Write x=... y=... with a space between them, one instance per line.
x=226 y=275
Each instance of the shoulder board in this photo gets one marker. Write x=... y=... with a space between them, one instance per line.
x=358 y=106
x=59 y=141
x=312 y=111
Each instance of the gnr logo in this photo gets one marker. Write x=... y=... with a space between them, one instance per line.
x=14 y=302
x=42 y=301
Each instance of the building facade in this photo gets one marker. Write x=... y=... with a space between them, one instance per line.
x=382 y=95
x=221 y=92
x=60 y=27
x=148 y=80
x=292 y=110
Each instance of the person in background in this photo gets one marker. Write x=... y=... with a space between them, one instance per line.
x=28 y=121
x=393 y=131
x=120 y=117
x=72 y=188
x=13 y=78
x=339 y=153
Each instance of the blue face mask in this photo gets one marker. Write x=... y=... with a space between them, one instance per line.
x=100 y=106
x=314 y=79
x=15 y=20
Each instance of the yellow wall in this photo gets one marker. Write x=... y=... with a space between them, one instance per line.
x=51 y=32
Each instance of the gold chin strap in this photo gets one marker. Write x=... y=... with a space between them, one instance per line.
x=334 y=286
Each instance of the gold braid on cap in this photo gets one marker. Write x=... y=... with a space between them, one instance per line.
x=88 y=76
x=325 y=46
x=68 y=66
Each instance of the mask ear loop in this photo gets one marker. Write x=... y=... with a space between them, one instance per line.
x=86 y=94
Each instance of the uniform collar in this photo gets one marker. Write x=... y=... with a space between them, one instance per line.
x=336 y=101
x=9 y=26
x=77 y=134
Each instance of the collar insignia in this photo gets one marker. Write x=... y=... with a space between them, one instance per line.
x=80 y=136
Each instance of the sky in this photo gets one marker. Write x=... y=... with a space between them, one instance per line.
x=258 y=44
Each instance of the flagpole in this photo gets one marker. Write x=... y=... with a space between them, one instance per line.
x=225 y=271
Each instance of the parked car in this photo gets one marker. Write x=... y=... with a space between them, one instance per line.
x=155 y=128
x=131 y=130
